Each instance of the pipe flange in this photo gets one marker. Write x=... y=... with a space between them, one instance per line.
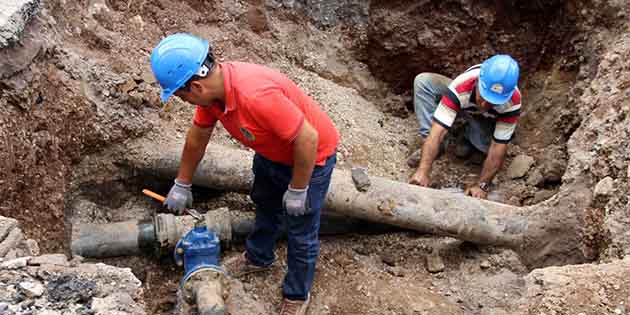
x=166 y=230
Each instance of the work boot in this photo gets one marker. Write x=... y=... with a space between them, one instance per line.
x=414 y=159
x=464 y=148
x=297 y=307
x=239 y=266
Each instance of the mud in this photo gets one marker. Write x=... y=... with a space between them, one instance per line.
x=76 y=93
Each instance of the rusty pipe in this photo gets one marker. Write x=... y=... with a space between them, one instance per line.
x=160 y=234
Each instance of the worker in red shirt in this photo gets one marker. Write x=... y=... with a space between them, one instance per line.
x=295 y=144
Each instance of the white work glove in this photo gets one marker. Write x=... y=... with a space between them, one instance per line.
x=179 y=197
x=295 y=201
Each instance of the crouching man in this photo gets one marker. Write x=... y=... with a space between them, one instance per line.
x=487 y=97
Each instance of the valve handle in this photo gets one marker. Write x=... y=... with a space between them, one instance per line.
x=192 y=212
x=153 y=195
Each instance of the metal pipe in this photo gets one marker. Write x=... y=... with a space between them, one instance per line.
x=160 y=235
x=132 y=237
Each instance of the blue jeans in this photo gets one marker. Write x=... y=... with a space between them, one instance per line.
x=428 y=89
x=270 y=182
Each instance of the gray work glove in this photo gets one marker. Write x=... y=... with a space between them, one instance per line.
x=295 y=201
x=179 y=197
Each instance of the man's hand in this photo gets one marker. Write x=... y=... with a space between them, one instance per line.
x=420 y=179
x=430 y=150
x=295 y=201
x=179 y=197
x=476 y=191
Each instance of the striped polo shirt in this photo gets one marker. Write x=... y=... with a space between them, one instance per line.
x=461 y=95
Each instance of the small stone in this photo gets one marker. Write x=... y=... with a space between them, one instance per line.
x=618 y=311
x=15 y=263
x=6 y=225
x=52 y=259
x=98 y=7
x=396 y=271
x=138 y=22
x=389 y=259
x=135 y=99
x=31 y=289
x=3 y=307
x=535 y=178
x=32 y=247
x=519 y=166
x=360 y=178
x=257 y=19
x=414 y=159
x=553 y=165
x=434 y=262
x=147 y=76
x=484 y=264
x=543 y=195
x=128 y=86
x=605 y=187
x=112 y=304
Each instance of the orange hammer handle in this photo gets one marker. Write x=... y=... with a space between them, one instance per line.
x=153 y=195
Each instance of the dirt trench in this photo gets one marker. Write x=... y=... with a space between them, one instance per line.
x=71 y=106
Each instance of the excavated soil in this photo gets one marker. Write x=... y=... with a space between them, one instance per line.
x=84 y=92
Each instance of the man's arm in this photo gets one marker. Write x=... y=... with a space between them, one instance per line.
x=304 y=155
x=180 y=196
x=195 y=147
x=494 y=161
x=430 y=150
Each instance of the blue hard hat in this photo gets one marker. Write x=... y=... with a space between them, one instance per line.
x=498 y=79
x=176 y=59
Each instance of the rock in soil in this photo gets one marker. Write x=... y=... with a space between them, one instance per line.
x=414 y=159
x=605 y=187
x=588 y=288
x=485 y=264
x=434 y=262
x=31 y=289
x=360 y=179
x=519 y=166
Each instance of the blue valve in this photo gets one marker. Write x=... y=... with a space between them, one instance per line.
x=198 y=249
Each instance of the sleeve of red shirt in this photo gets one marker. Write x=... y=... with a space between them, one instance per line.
x=273 y=111
x=204 y=117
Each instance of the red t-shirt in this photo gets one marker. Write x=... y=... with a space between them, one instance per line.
x=264 y=110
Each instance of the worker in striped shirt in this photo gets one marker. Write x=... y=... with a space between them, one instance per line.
x=487 y=97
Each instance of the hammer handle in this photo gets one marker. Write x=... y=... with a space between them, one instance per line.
x=153 y=195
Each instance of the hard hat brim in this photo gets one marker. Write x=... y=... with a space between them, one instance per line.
x=165 y=95
x=495 y=98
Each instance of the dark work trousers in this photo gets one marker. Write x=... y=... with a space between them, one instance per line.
x=270 y=182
